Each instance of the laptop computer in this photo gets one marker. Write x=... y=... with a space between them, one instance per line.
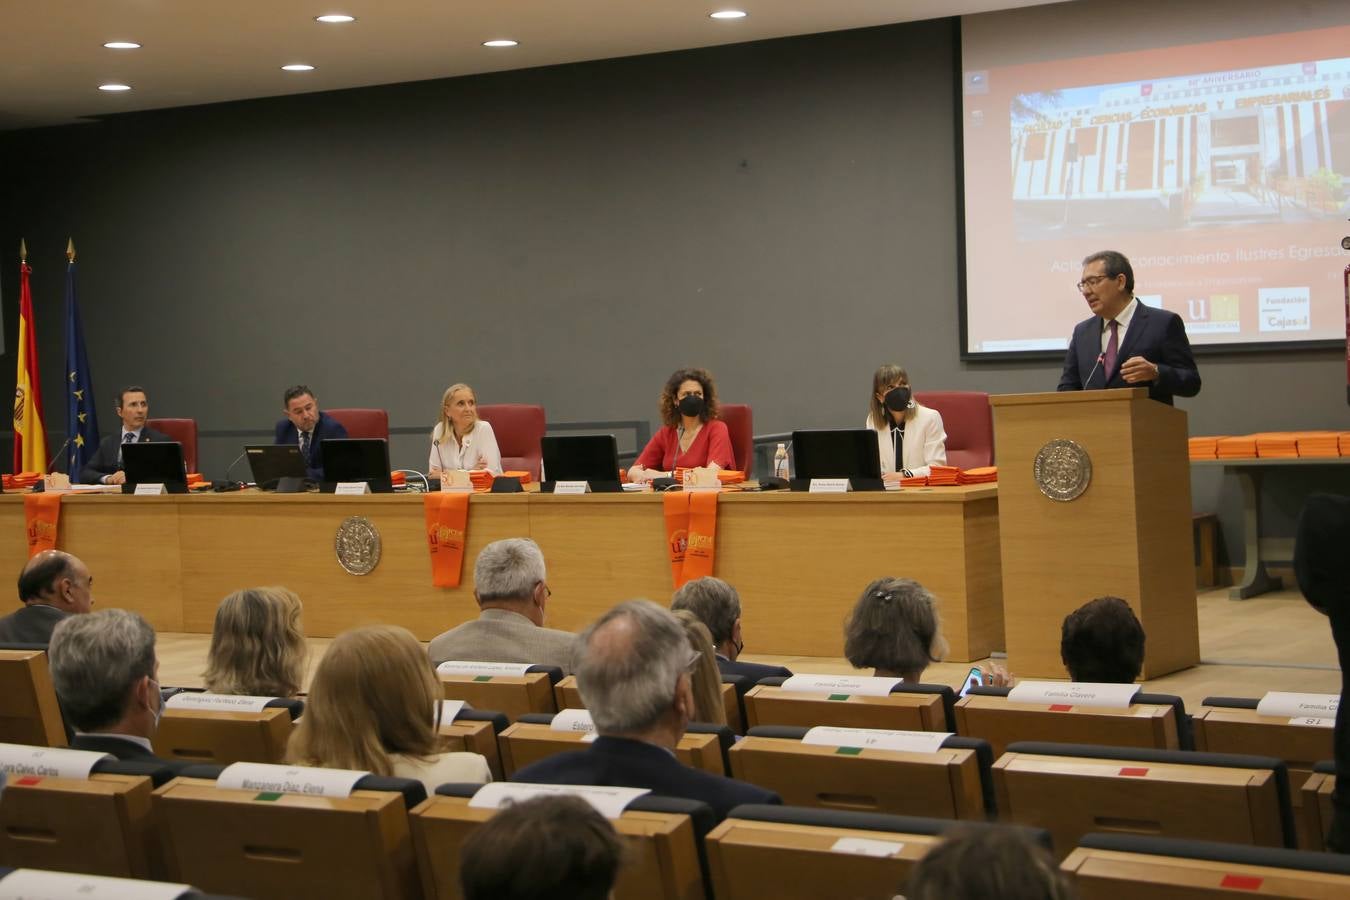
x=154 y=462
x=356 y=459
x=270 y=463
x=850 y=453
x=593 y=458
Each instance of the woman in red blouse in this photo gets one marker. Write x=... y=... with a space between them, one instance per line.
x=692 y=434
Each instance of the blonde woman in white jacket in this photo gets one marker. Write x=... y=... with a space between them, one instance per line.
x=460 y=439
x=902 y=424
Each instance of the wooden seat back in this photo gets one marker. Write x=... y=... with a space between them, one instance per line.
x=99 y=826
x=568 y=696
x=904 y=711
x=29 y=712
x=513 y=695
x=528 y=742
x=1001 y=722
x=223 y=736
x=1314 y=813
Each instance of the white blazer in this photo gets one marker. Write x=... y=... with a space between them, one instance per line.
x=479 y=444
x=443 y=768
x=925 y=443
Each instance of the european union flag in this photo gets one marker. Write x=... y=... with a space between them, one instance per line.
x=81 y=420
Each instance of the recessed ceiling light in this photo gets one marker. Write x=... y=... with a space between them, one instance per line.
x=728 y=14
x=298 y=67
x=122 y=45
x=114 y=87
x=504 y=42
x=335 y=18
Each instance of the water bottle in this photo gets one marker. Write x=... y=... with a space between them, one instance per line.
x=780 y=462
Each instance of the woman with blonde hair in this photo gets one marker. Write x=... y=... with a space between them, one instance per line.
x=910 y=437
x=460 y=439
x=706 y=680
x=257 y=645
x=374 y=705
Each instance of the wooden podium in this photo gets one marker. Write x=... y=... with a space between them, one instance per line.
x=1127 y=534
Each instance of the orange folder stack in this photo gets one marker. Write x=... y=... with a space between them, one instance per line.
x=525 y=477
x=724 y=476
x=916 y=481
x=1204 y=447
x=1343 y=442
x=1276 y=445
x=481 y=479
x=1318 y=444
x=943 y=475
x=22 y=481
x=1243 y=447
x=978 y=475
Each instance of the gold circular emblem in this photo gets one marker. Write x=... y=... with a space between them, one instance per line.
x=357 y=545
x=1063 y=470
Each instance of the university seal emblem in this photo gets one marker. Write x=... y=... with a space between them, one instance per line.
x=1063 y=470
x=357 y=545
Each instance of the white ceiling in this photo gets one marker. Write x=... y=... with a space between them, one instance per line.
x=207 y=51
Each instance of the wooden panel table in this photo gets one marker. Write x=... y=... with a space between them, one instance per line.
x=798 y=560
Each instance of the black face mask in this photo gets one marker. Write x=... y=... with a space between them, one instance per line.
x=691 y=405
x=897 y=399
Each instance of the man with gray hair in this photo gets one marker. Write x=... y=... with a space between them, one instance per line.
x=717 y=605
x=634 y=676
x=509 y=585
x=107 y=679
x=52 y=585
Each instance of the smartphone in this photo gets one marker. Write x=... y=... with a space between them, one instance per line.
x=974 y=678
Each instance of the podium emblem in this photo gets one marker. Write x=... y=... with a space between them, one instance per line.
x=357 y=545
x=1063 y=470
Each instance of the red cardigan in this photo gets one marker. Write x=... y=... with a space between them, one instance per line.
x=712 y=444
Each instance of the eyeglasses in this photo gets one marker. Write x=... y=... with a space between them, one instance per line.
x=692 y=664
x=1094 y=280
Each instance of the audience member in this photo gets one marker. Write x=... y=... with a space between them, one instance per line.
x=509 y=585
x=52 y=585
x=1103 y=641
x=107 y=679
x=718 y=606
x=374 y=705
x=634 y=676
x=979 y=863
x=705 y=681
x=257 y=645
x=543 y=848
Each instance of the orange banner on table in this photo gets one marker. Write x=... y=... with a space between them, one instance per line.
x=691 y=533
x=447 y=534
x=41 y=513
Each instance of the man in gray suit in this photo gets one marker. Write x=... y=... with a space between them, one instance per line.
x=52 y=585
x=511 y=591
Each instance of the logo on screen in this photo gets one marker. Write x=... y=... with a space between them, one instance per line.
x=1215 y=314
x=1284 y=309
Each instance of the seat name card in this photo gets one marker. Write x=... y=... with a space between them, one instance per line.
x=476 y=667
x=352 y=487
x=610 y=802
x=573 y=720
x=146 y=489
x=32 y=884
x=1295 y=705
x=456 y=480
x=19 y=760
x=829 y=486
x=866 y=847
x=1313 y=722
x=571 y=487
x=198 y=700
x=841 y=684
x=449 y=710
x=876 y=739
x=1075 y=693
x=289 y=779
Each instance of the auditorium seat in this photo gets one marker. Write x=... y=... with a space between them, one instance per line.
x=791 y=853
x=532 y=739
x=740 y=422
x=1314 y=813
x=477 y=731
x=1074 y=789
x=661 y=833
x=519 y=428
x=1126 y=867
x=363 y=423
x=568 y=696
x=1150 y=721
x=184 y=431
x=969 y=421
x=224 y=736
x=513 y=695
x=917 y=707
x=955 y=782
x=29 y=712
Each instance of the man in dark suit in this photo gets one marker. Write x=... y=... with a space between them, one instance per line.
x=52 y=585
x=307 y=426
x=106 y=676
x=106 y=465
x=1125 y=343
x=717 y=605
x=634 y=674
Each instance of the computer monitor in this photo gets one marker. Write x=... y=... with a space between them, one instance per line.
x=593 y=458
x=850 y=453
x=356 y=459
x=155 y=462
x=270 y=463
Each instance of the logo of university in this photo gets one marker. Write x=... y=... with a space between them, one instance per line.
x=1215 y=314
x=679 y=542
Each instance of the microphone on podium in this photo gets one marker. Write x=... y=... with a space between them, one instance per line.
x=1101 y=358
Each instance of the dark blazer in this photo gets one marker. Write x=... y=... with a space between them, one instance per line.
x=31 y=624
x=1158 y=335
x=621 y=762
x=107 y=459
x=753 y=671
x=127 y=751
x=326 y=427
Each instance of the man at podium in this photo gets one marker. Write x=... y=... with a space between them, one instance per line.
x=1126 y=343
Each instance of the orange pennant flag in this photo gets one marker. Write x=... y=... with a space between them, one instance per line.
x=41 y=513
x=691 y=531
x=447 y=535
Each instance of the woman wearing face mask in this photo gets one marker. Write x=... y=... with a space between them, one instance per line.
x=460 y=439
x=692 y=434
x=910 y=437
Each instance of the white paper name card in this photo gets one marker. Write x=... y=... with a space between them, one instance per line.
x=1288 y=703
x=289 y=779
x=866 y=847
x=146 y=489
x=477 y=667
x=1074 y=693
x=31 y=884
x=841 y=684
x=449 y=711
x=876 y=739
x=829 y=486
x=352 y=487
x=573 y=720
x=456 y=480
x=1313 y=722
x=20 y=760
x=610 y=802
x=571 y=487
x=196 y=700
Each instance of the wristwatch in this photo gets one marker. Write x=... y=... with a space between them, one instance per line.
x=907 y=473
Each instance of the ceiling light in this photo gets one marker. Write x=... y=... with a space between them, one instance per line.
x=122 y=45
x=728 y=14
x=504 y=42
x=298 y=67
x=335 y=18
x=114 y=88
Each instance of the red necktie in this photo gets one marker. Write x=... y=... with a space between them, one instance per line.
x=1112 y=348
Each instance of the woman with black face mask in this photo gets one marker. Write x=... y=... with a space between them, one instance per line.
x=692 y=434
x=910 y=437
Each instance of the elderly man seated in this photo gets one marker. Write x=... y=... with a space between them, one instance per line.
x=52 y=585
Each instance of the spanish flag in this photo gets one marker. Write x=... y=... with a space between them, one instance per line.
x=30 y=438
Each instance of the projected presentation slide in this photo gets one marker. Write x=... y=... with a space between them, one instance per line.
x=1221 y=170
